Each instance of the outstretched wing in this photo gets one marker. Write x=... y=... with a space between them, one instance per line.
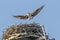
x=37 y=11
x=21 y=17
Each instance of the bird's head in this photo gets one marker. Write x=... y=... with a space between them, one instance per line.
x=28 y=14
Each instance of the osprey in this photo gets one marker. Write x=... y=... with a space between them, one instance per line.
x=29 y=15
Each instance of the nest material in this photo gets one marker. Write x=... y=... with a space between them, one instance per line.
x=30 y=29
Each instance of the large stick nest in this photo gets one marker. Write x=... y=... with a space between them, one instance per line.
x=30 y=29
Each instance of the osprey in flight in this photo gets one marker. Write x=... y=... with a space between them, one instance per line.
x=29 y=15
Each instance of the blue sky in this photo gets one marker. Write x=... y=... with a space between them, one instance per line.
x=49 y=16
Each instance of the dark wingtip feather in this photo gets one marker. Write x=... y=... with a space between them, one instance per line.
x=42 y=6
x=14 y=16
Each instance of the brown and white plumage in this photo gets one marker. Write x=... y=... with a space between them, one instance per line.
x=30 y=15
x=21 y=17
